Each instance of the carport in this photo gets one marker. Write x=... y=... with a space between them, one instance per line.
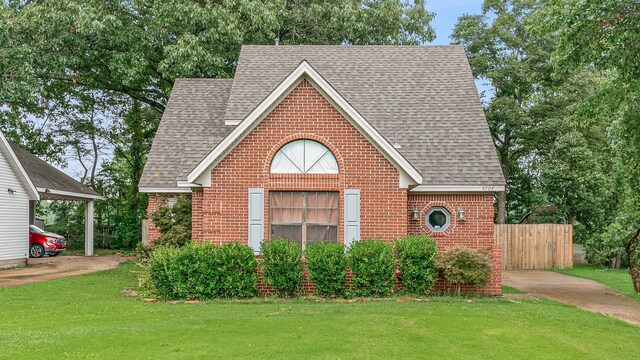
x=52 y=184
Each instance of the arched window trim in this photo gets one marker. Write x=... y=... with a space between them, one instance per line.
x=292 y=158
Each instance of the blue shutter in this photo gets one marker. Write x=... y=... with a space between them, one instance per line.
x=351 y=216
x=256 y=218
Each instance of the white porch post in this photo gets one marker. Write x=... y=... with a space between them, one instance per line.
x=88 y=228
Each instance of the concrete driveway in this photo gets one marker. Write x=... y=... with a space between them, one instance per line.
x=583 y=293
x=57 y=267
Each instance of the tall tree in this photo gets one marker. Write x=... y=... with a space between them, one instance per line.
x=605 y=35
x=49 y=49
x=502 y=52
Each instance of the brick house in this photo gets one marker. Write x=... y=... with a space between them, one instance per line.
x=331 y=143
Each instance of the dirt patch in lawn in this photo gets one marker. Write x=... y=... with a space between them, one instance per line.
x=586 y=294
x=62 y=266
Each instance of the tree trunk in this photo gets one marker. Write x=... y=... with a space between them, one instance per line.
x=502 y=207
x=502 y=195
x=634 y=266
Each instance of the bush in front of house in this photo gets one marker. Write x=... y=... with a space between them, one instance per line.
x=373 y=267
x=159 y=264
x=417 y=262
x=203 y=271
x=282 y=266
x=464 y=266
x=327 y=266
x=237 y=273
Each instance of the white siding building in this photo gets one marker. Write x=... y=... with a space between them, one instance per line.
x=24 y=179
x=15 y=192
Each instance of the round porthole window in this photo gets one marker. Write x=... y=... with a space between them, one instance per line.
x=438 y=219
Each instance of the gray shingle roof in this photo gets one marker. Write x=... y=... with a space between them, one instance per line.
x=422 y=97
x=45 y=176
x=192 y=124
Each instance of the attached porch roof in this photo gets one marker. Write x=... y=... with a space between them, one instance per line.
x=51 y=183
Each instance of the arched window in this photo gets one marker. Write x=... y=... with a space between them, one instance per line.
x=304 y=157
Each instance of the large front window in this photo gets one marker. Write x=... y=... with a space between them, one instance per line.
x=304 y=217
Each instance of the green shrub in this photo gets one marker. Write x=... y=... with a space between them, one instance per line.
x=373 y=267
x=282 y=266
x=416 y=259
x=237 y=275
x=463 y=266
x=327 y=266
x=203 y=271
x=159 y=268
x=192 y=272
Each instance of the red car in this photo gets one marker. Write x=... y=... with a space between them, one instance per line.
x=42 y=242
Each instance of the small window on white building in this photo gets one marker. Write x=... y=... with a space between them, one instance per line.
x=304 y=157
x=438 y=219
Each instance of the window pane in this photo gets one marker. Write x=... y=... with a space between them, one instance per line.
x=437 y=219
x=295 y=152
x=323 y=233
x=327 y=164
x=291 y=232
x=292 y=215
x=333 y=199
x=283 y=165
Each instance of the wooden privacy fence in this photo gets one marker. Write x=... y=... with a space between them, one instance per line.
x=535 y=246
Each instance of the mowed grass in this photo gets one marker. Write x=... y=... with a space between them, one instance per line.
x=614 y=278
x=86 y=317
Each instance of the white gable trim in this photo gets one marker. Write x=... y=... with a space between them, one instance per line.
x=70 y=194
x=22 y=174
x=303 y=70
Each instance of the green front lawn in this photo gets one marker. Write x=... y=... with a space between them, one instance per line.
x=617 y=279
x=87 y=317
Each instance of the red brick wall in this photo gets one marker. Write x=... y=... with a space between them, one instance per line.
x=475 y=231
x=303 y=114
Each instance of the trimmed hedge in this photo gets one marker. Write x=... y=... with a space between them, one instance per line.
x=417 y=262
x=373 y=267
x=282 y=266
x=464 y=266
x=327 y=266
x=203 y=271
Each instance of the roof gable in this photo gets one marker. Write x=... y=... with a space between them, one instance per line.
x=422 y=97
x=303 y=71
x=48 y=180
x=5 y=147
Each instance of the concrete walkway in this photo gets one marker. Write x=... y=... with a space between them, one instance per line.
x=586 y=294
x=48 y=268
